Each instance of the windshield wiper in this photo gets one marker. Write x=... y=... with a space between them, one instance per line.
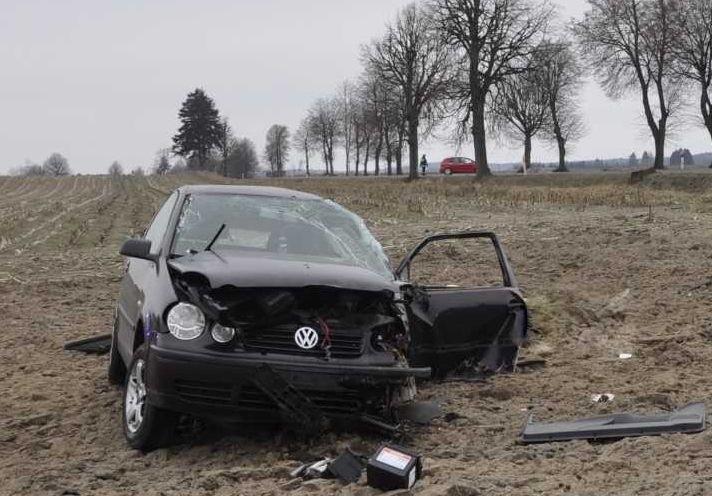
x=215 y=238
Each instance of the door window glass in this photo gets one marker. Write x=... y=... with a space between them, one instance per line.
x=457 y=263
x=159 y=224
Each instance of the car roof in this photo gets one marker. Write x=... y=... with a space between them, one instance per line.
x=223 y=189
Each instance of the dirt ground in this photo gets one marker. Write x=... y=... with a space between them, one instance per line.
x=607 y=269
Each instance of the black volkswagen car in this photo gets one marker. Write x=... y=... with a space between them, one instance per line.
x=250 y=304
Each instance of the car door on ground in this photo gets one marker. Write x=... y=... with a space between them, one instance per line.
x=464 y=304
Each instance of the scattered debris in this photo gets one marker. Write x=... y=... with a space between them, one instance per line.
x=347 y=467
x=531 y=364
x=689 y=419
x=393 y=467
x=602 y=398
x=98 y=345
x=420 y=412
x=625 y=356
x=296 y=408
x=452 y=416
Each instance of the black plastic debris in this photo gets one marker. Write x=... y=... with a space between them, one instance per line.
x=689 y=419
x=531 y=364
x=420 y=412
x=393 y=467
x=98 y=345
x=347 y=467
x=297 y=409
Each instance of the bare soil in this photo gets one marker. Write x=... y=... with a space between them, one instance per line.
x=607 y=268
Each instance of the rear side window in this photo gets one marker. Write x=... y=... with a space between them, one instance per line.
x=158 y=226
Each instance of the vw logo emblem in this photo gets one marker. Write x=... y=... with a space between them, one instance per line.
x=306 y=338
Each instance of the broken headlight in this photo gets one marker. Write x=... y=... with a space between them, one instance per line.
x=185 y=321
x=222 y=334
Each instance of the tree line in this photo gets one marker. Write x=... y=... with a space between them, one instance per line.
x=507 y=67
x=468 y=69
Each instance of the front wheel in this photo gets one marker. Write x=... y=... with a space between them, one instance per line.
x=448 y=172
x=146 y=427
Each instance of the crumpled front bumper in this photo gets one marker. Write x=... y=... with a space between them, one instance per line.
x=223 y=386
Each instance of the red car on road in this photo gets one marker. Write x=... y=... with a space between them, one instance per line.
x=454 y=165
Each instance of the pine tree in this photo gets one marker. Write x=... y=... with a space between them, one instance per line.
x=199 y=132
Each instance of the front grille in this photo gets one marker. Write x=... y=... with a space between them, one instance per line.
x=280 y=339
x=249 y=396
x=205 y=392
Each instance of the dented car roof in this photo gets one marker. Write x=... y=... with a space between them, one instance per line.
x=248 y=190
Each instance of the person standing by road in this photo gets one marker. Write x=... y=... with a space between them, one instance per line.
x=423 y=164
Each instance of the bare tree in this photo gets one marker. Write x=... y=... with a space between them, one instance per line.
x=242 y=161
x=520 y=109
x=138 y=171
x=492 y=38
x=162 y=163
x=324 y=126
x=561 y=76
x=373 y=96
x=362 y=126
x=304 y=141
x=225 y=143
x=56 y=165
x=629 y=44
x=348 y=106
x=115 y=169
x=693 y=51
x=29 y=168
x=412 y=57
x=277 y=148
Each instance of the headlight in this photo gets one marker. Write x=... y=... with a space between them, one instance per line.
x=222 y=334
x=185 y=321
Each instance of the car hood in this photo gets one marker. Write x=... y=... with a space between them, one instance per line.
x=242 y=271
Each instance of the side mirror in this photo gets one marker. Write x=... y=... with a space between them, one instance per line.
x=138 y=248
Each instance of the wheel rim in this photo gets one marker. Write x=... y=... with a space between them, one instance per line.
x=135 y=397
x=448 y=171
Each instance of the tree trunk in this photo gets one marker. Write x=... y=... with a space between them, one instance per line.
x=561 y=142
x=527 y=153
x=412 y=146
x=358 y=155
x=706 y=107
x=479 y=137
x=306 y=156
x=377 y=158
x=399 y=150
x=660 y=145
x=365 y=157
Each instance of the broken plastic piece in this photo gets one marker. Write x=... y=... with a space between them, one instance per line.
x=296 y=408
x=97 y=344
x=420 y=412
x=688 y=419
x=346 y=467
x=602 y=398
x=318 y=469
x=393 y=467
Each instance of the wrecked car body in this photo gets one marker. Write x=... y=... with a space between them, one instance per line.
x=264 y=304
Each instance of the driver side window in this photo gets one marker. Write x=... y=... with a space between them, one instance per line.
x=158 y=226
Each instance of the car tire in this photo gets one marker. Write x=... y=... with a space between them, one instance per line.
x=145 y=426
x=117 y=368
x=448 y=172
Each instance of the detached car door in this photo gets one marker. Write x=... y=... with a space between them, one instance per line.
x=463 y=303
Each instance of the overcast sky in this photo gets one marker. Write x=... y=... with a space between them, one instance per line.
x=102 y=80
